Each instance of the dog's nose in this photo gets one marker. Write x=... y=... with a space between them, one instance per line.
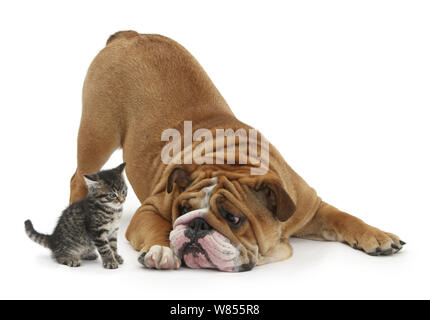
x=197 y=228
x=199 y=224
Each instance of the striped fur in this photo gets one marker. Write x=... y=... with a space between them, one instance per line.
x=89 y=225
x=37 y=237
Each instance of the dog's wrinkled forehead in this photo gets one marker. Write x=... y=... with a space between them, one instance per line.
x=203 y=204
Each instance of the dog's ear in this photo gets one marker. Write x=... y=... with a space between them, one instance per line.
x=178 y=176
x=277 y=199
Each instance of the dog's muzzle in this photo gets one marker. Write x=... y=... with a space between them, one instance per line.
x=200 y=246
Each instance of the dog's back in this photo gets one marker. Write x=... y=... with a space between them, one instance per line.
x=133 y=83
x=138 y=74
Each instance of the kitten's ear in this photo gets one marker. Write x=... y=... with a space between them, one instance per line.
x=120 y=168
x=91 y=181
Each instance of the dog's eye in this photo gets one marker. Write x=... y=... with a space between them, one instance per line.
x=184 y=209
x=231 y=218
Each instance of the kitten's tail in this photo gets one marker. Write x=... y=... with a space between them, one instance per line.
x=37 y=237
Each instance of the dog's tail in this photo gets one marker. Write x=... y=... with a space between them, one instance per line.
x=37 y=237
x=120 y=34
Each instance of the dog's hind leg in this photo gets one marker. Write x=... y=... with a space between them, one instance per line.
x=97 y=140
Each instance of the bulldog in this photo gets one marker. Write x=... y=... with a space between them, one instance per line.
x=209 y=211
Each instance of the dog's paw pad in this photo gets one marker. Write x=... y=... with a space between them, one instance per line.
x=378 y=243
x=159 y=257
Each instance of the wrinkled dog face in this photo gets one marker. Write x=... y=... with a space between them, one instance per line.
x=198 y=244
x=225 y=224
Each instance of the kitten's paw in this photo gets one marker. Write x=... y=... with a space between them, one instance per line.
x=90 y=256
x=70 y=262
x=119 y=259
x=159 y=257
x=110 y=264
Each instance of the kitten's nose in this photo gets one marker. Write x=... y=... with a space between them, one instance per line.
x=121 y=199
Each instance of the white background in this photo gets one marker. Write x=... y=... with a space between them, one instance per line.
x=341 y=88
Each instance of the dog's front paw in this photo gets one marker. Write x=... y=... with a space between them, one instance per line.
x=376 y=242
x=159 y=257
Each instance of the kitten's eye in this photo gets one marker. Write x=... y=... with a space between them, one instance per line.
x=124 y=192
x=184 y=209
x=111 y=195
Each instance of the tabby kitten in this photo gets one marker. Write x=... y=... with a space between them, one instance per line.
x=89 y=224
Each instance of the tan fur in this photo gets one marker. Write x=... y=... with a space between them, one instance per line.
x=140 y=85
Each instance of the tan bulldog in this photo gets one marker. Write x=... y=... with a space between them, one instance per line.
x=212 y=213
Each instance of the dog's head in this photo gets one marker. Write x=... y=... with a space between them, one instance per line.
x=228 y=219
